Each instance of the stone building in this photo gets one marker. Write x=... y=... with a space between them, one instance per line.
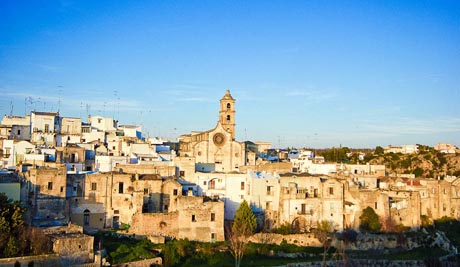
x=72 y=246
x=72 y=156
x=47 y=195
x=195 y=218
x=306 y=200
x=216 y=146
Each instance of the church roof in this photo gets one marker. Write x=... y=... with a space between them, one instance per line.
x=227 y=96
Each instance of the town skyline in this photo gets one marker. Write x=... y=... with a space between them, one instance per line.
x=303 y=74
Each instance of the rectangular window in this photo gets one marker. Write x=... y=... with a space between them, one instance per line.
x=146 y=191
x=47 y=128
x=268 y=205
x=213 y=236
x=193 y=218
x=212 y=184
x=269 y=190
x=304 y=208
x=62 y=189
x=50 y=185
x=242 y=185
x=375 y=205
x=175 y=192
x=19 y=132
x=120 y=187
x=181 y=173
x=331 y=190
x=204 y=182
x=93 y=186
x=213 y=217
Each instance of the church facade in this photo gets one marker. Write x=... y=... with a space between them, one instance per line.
x=216 y=147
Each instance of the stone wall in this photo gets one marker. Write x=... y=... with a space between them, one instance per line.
x=361 y=263
x=142 y=263
x=278 y=167
x=160 y=224
x=304 y=240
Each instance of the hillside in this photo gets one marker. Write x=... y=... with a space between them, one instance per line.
x=428 y=163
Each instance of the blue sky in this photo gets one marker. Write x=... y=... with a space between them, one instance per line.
x=304 y=73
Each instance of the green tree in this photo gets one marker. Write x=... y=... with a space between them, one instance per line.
x=369 y=221
x=11 y=227
x=243 y=227
x=170 y=254
x=379 y=150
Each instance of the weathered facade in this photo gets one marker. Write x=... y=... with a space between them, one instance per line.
x=195 y=218
x=47 y=195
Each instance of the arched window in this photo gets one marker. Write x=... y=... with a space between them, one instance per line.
x=86 y=217
x=228 y=105
x=228 y=117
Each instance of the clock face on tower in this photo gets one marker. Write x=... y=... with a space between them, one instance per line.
x=218 y=139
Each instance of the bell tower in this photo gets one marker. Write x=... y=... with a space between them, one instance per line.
x=227 y=113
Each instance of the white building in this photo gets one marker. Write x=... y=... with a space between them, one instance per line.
x=233 y=188
x=44 y=126
x=102 y=124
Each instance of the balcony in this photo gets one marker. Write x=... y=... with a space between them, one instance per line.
x=305 y=212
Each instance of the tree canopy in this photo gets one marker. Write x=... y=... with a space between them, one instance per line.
x=243 y=226
x=16 y=238
x=245 y=220
x=369 y=221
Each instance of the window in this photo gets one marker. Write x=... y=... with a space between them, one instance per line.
x=19 y=132
x=213 y=217
x=303 y=208
x=175 y=192
x=47 y=128
x=62 y=189
x=7 y=152
x=146 y=191
x=50 y=185
x=93 y=186
x=204 y=182
x=268 y=205
x=86 y=217
x=375 y=205
x=228 y=117
x=193 y=218
x=181 y=173
x=228 y=105
x=120 y=187
x=242 y=185
x=213 y=236
x=269 y=190
x=331 y=190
